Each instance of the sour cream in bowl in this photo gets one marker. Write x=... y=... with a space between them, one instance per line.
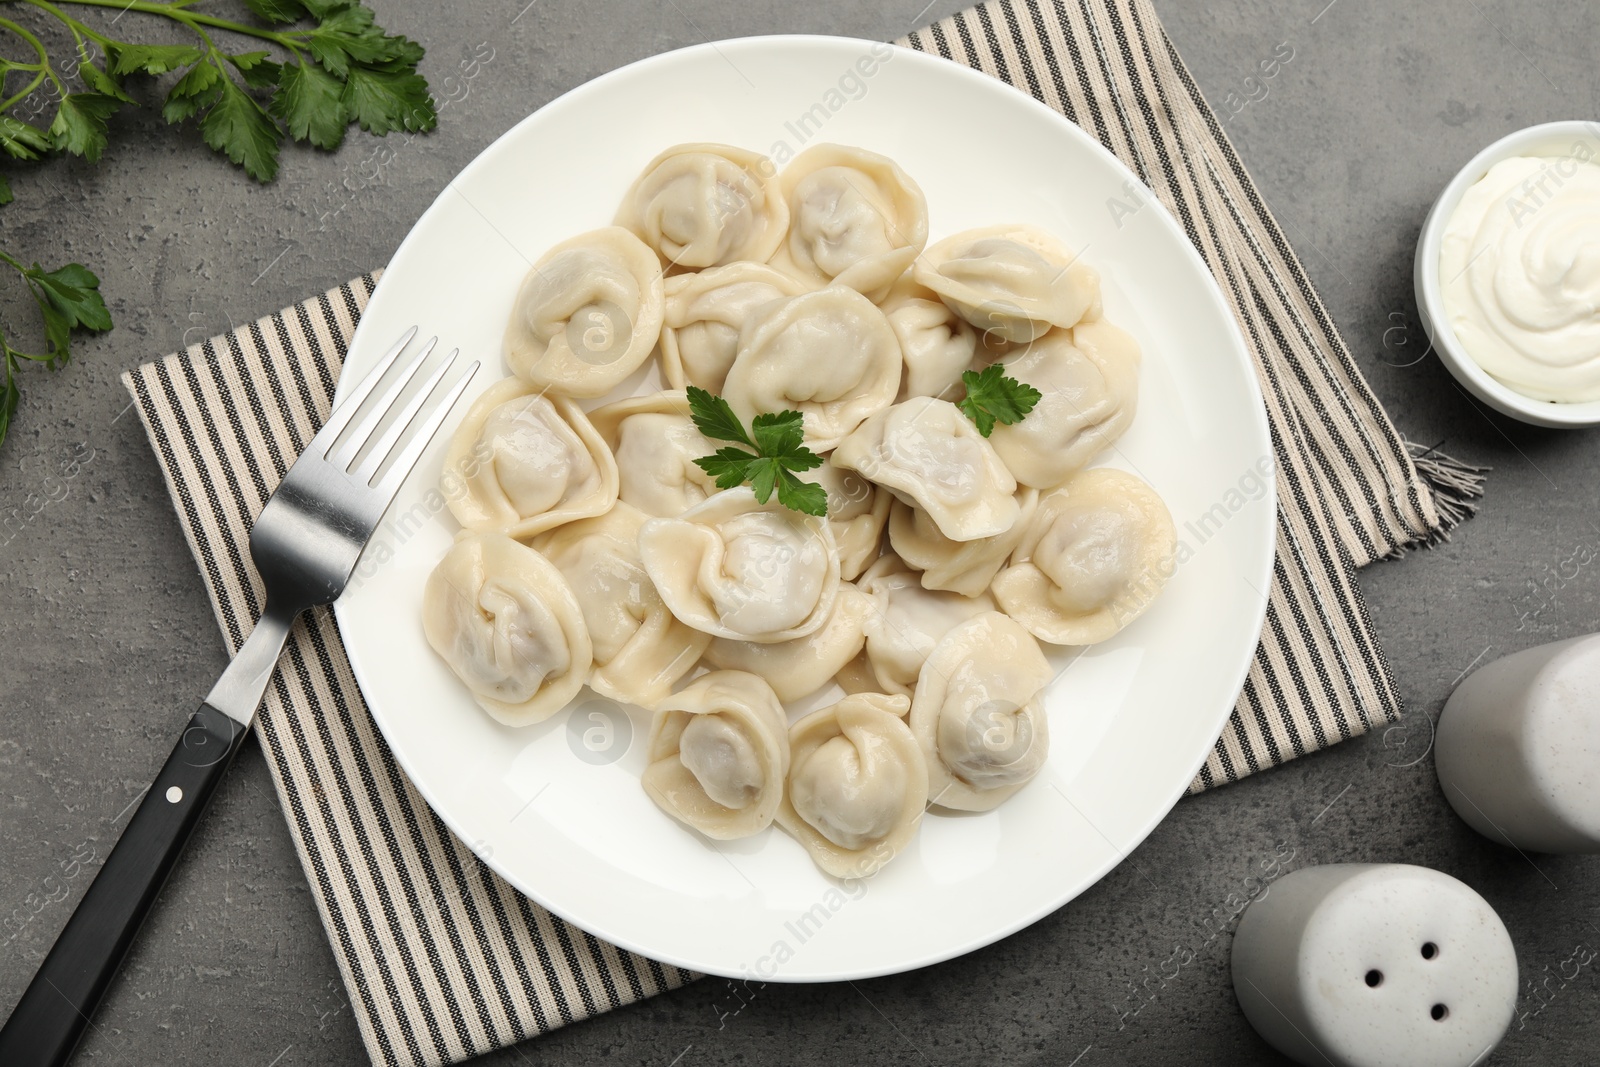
x=1507 y=275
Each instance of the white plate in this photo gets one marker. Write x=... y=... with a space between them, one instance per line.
x=1131 y=720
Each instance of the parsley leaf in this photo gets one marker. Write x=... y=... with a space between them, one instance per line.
x=57 y=337
x=194 y=92
x=729 y=466
x=9 y=395
x=348 y=39
x=74 y=291
x=22 y=140
x=238 y=128
x=780 y=433
x=779 y=451
x=277 y=10
x=69 y=299
x=257 y=70
x=5 y=191
x=764 y=478
x=308 y=101
x=715 y=419
x=101 y=82
x=80 y=124
x=151 y=58
x=798 y=495
x=384 y=101
x=993 y=397
x=323 y=8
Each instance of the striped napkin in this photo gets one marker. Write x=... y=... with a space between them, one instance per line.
x=443 y=960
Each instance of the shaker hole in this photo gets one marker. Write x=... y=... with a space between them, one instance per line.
x=1374 y=978
x=1429 y=950
x=1439 y=1012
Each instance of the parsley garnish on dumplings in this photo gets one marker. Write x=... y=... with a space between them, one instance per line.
x=777 y=451
x=993 y=396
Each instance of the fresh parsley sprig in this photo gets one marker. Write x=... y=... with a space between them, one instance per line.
x=767 y=462
x=342 y=68
x=993 y=396
x=69 y=299
x=333 y=66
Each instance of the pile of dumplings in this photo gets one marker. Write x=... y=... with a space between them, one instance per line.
x=594 y=551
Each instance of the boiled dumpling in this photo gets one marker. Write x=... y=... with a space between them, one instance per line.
x=936 y=344
x=978 y=713
x=857 y=677
x=742 y=570
x=640 y=649
x=704 y=312
x=828 y=354
x=523 y=461
x=1087 y=399
x=587 y=315
x=857 y=511
x=855 y=218
x=1093 y=557
x=1011 y=282
x=656 y=444
x=965 y=567
x=929 y=454
x=719 y=753
x=509 y=626
x=907 y=622
x=800 y=667
x=700 y=205
x=858 y=783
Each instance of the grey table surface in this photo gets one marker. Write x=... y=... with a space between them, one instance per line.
x=106 y=639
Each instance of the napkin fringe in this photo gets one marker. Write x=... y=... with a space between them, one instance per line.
x=1457 y=488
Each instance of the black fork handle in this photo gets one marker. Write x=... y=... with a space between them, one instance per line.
x=56 y=1010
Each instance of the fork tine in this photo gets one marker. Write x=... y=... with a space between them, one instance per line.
x=363 y=430
x=385 y=443
x=342 y=415
x=411 y=450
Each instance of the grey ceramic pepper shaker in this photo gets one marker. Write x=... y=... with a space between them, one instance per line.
x=1518 y=748
x=1375 y=965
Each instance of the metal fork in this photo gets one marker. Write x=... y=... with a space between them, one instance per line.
x=305 y=546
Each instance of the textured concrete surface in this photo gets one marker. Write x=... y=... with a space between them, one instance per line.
x=106 y=640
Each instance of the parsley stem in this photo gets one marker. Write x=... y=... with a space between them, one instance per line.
x=27 y=35
x=44 y=67
x=79 y=30
x=194 y=20
x=27 y=90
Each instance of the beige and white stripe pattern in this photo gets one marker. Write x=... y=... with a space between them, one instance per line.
x=1349 y=490
x=443 y=960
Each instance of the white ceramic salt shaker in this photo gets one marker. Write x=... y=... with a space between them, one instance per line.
x=1375 y=965
x=1518 y=748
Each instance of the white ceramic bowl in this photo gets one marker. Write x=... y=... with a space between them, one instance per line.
x=1549 y=139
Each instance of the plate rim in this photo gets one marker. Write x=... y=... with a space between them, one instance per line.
x=1266 y=509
